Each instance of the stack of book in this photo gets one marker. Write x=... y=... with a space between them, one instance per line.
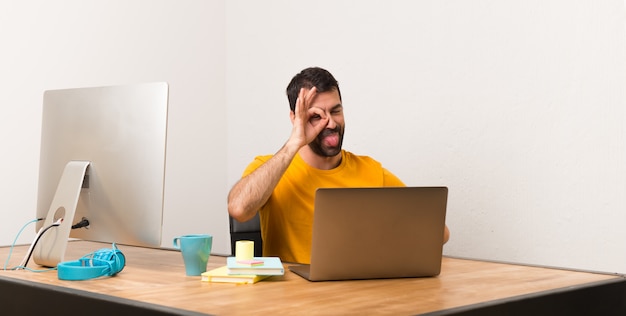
x=245 y=271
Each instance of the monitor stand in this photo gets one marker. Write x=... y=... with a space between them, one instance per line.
x=50 y=248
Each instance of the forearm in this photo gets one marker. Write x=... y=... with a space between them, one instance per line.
x=251 y=192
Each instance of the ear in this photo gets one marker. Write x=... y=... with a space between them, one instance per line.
x=292 y=116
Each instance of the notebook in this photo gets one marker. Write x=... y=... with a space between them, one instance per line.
x=371 y=233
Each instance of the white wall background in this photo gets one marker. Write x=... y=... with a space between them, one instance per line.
x=517 y=106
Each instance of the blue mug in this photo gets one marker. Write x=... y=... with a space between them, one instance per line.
x=196 y=250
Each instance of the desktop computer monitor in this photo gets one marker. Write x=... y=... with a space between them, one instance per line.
x=102 y=159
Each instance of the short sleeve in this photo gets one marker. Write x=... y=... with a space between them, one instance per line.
x=257 y=162
x=390 y=179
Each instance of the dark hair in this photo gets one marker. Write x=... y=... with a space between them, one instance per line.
x=309 y=78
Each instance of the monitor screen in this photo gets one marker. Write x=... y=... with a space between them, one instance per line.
x=102 y=159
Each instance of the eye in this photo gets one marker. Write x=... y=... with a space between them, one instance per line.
x=338 y=109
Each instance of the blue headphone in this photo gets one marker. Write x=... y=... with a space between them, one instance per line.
x=103 y=262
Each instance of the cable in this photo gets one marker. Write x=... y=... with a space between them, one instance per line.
x=37 y=237
x=15 y=240
x=83 y=223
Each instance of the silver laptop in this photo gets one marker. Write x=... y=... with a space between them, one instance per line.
x=372 y=233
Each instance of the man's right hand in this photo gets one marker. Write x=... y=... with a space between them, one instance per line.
x=308 y=121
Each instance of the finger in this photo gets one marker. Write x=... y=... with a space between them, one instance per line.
x=316 y=111
x=300 y=109
x=303 y=102
x=317 y=127
x=317 y=119
x=306 y=96
x=310 y=94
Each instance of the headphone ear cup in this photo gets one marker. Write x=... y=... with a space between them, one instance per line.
x=114 y=256
x=120 y=259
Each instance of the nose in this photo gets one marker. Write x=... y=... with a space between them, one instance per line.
x=331 y=122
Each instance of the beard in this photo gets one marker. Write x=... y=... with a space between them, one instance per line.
x=319 y=146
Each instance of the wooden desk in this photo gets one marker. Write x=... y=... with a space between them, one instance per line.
x=154 y=282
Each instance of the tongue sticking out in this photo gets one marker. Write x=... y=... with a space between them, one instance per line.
x=331 y=140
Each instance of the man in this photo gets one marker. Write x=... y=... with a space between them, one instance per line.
x=282 y=186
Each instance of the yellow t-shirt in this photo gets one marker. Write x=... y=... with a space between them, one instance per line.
x=287 y=217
